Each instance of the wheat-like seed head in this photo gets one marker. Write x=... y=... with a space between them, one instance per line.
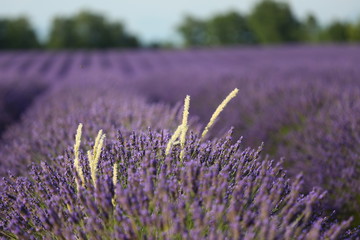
x=97 y=140
x=184 y=125
x=182 y=141
x=115 y=174
x=77 y=165
x=218 y=110
x=115 y=177
x=181 y=130
x=95 y=156
x=173 y=139
x=90 y=159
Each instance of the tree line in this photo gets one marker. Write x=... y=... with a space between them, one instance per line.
x=269 y=22
x=83 y=30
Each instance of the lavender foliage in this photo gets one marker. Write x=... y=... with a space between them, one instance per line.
x=301 y=101
x=329 y=143
x=46 y=129
x=219 y=191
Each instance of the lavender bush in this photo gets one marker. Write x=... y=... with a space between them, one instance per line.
x=280 y=99
x=217 y=191
x=329 y=143
x=44 y=131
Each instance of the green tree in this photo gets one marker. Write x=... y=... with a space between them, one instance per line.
x=354 y=32
x=17 y=34
x=120 y=38
x=274 y=22
x=336 y=32
x=229 y=29
x=310 y=29
x=89 y=30
x=193 y=31
x=62 y=33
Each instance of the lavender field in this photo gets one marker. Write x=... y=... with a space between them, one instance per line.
x=282 y=160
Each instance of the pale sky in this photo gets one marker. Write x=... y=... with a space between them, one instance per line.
x=157 y=19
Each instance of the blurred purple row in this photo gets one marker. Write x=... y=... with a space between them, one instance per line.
x=245 y=62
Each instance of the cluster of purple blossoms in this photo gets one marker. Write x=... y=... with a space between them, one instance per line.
x=301 y=104
x=46 y=129
x=217 y=191
x=327 y=150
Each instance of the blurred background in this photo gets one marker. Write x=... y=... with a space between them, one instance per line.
x=26 y=24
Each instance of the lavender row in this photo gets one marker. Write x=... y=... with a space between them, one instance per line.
x=217 y=191
x=16 y=96
x=249 y=62
x=45 y=129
